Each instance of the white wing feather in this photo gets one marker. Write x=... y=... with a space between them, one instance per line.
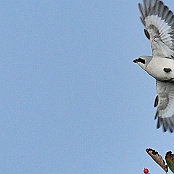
x=165 y=103
x=159 y=23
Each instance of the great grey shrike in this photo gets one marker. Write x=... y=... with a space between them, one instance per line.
x=158 y=21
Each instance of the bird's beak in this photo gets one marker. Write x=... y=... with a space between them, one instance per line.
x=135 y=60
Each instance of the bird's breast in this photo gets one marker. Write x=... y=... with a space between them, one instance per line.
x=161 y=69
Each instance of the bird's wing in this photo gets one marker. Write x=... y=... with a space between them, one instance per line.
x=165 y=103
x=159 y=27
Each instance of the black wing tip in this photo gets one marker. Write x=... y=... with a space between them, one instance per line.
x=147 y=34
x=156 y=101
x=165 y=124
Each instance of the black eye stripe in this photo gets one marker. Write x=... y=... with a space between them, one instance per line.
x=141 y=60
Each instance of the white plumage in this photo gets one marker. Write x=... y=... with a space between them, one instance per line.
x=158 y=21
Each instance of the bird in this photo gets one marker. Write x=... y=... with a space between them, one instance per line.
x=158 y=21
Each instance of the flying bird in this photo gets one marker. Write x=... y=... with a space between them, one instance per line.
x=158 y=21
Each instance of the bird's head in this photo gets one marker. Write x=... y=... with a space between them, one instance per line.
x=143 y=61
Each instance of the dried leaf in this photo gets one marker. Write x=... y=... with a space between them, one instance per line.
x=170 y=160
x=157 y=158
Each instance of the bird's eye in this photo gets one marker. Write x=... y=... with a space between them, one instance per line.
x=141 y=60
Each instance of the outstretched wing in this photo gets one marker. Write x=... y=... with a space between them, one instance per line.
x=159 y=27
x=165 y=103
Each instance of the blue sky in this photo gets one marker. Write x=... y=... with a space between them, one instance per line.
x=72 y=101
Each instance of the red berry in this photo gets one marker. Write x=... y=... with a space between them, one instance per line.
x=146 y=170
